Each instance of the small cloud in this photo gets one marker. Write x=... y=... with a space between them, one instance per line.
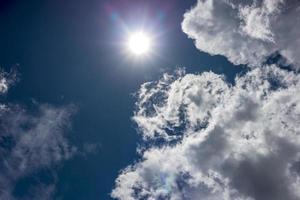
x=91 y=148
x=7 y=79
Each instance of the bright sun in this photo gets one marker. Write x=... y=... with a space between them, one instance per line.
x=139 y=43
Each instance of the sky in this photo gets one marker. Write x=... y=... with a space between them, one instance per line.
x=212 y=111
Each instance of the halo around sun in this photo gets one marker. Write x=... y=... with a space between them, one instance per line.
x=139 y=43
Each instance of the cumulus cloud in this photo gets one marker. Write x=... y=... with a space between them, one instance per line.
x=212 y=140
x=31 y=140
x=209 y=139
x=246 y=32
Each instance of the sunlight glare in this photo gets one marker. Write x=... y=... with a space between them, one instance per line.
x=139 y=43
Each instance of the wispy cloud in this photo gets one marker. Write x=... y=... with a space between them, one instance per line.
x=31 y=140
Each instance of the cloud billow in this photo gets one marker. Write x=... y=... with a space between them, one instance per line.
x=248 y=148
x=209 y=139
x=246 y=32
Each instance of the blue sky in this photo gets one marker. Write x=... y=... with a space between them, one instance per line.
x=72 y=80
x=70 y=52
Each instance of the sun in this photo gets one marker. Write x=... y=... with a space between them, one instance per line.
x=139 y=43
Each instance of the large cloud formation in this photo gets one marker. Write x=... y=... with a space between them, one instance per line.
x=215 y=141
x=246 y=32
x=31 y=141
x=208 y=139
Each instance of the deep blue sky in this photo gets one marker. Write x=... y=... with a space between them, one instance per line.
x=70 y=52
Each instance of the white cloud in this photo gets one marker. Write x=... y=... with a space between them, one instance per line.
x=6 y=80
x=246 y=32
x=208 y=139
x=237 y=141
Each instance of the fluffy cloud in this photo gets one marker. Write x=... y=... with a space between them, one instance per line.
x=212 y=140
x=208 y=139
x=246 y=32
x=31 y=141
